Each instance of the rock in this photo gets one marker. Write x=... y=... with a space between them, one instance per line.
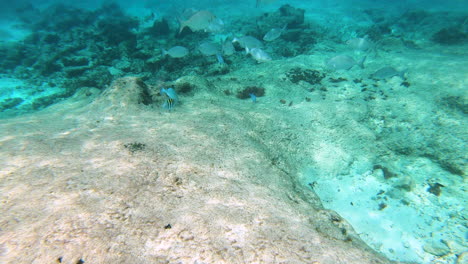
x=75 y=61
x=10 y=103
x=436 y=248
x=450 y=36
x=295 y=15
x=462 y=258
x=124 y=93
x=160 y=28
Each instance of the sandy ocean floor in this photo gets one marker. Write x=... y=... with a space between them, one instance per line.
x=323 y=173
x=102 y=178
x=202 y=187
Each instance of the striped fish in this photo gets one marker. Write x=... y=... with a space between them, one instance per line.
x=171 y=99
x=169 y=104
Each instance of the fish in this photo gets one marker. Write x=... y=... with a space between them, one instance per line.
x=258 y=54
x=274 y=33
x=344 y=62
x=201 y=21
x=361 y=44
x=248 y=42
x=215 y=26
x=169 y=104
x=209 y=48
x=176 y=52
x=228 y=48
x=387 y=73
x=220 y=59
x=172 y=98
x=253 y=97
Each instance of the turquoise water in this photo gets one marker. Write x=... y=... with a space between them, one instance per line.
x=375 y=93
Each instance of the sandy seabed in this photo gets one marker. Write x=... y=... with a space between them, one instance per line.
x=103 y=178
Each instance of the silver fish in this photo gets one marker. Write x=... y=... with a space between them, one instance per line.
x=248 y=42
x=258 y=54
x=387 y=73
x=209 y=48
x=361 y=44
x=228 y=48
x=215 y=26
x=200 y=21
x=176 y=52
x=274 y=33
x=343 y=62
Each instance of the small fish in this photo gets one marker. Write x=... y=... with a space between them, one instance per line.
x=253 y=97
x=176 y=52
x=387 y=73
x=169 y=104
x=172 y=98
x=274 y=33
x=220 y=59
x=200 y=21
x=258 y=54
x=248 y=42
x=361 y=44
x=343 y=62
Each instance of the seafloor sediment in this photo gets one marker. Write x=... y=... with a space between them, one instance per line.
x=104 y=179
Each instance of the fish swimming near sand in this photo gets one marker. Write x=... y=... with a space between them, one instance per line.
x=360 y=44
x=176 y=52
x=228 y=48
x=200 y=21
x=211 y=49
x=248 y=42
x=258 y=54
x=274 y=33
x=253 y=97
x=215 y=26
x=387 y=73
x=171 y=100
x=343 y=62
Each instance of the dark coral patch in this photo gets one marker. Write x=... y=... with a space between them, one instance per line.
x=245 y=93
x=296 y=75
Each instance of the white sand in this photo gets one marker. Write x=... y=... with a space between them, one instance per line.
x=70 y=190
